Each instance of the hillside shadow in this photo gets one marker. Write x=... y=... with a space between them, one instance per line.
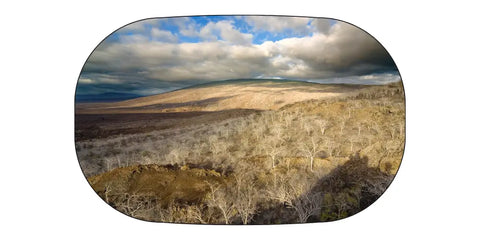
x=100 y=126
x=345 y=191
x=198 y=103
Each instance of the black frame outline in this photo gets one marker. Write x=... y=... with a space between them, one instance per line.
x=242 y=15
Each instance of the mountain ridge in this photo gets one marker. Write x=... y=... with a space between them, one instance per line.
x=264 y=94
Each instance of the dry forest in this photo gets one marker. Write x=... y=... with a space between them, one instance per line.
x=263 y=152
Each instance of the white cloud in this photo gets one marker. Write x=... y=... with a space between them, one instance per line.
x=108 y=80
x=381 y=78
x=85 y=81
x=278 y=24
x=228 y=33
x=188 y=31
x=187 y=26
x=100 y=79
x=225 y=31
x=163 y=36
x=321 y=24
x=345 y=48
x=134 y=38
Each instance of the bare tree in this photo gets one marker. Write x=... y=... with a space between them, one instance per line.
x=197 y=151
x=245 y=146
x=108 y=190
x=359 y=127
x=195 y=214
x=216 y=146
x=330 y=146
x=221 y=198
x=343 y=121
x=295 y=192
x=401 y=128
x=181 y=214
x=307 y=205
x=277 y=131
x=310 y=148
x=281 y=190
x=388 y=149
x=246 y=198
x=392 y=129
x=322 y=124
x=352 y=140
x=166 y=214
x=259 y=131
x=177 y=155
x=272 y=146
x=110 y=162
x=287 y=119
x=135 y=205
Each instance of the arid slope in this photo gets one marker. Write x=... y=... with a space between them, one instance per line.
x=234 y=94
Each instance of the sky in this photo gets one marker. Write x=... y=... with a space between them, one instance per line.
x=164 y=54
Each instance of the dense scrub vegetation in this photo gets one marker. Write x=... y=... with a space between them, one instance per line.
x=317 y=160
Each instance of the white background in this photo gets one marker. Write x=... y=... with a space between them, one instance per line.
x=43 y=194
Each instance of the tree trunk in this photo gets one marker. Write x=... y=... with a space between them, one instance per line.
x=311 y=164
x=225 y=216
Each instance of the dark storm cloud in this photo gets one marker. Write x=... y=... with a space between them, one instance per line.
x=153 y=60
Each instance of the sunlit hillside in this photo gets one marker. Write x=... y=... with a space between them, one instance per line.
x=225 y=95
x=295 y=152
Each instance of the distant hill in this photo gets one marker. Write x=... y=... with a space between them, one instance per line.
x=104 y=97
x=231 y=94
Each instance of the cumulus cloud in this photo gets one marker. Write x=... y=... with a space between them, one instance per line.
x=163 y=36
x=160 y=60
x=321 y=24
x=224 y=30
x=132 y=27
x=133 y=38
x=278 y=24
x=345 y=50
